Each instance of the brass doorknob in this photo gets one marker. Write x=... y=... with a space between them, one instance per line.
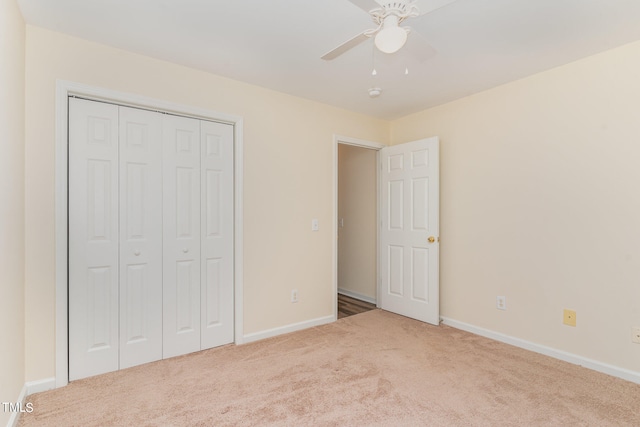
x=431 y=239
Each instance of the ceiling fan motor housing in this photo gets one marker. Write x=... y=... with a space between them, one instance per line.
x=403 y=9
x=401 y=6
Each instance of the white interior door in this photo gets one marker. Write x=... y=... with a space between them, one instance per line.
x=409 y=237
x=217 y=234
x=140 y=236
x=93 y=238
x=181 y=244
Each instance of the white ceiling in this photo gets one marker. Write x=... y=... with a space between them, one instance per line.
x=278 y=43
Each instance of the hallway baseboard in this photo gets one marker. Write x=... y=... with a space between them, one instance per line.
x=357 y=296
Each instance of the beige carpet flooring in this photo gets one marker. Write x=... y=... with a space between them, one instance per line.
x=374 y=368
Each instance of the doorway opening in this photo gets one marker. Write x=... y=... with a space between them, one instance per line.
x=356 y=219
x=407 y=227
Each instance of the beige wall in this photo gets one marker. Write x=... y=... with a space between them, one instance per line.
x=540 y=204
x=287 y=182
x=12 y=42
x=357 y=198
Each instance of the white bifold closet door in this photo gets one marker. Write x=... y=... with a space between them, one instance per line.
x=93 y=239
x=216 y=297
x=150 y=236
x=140 y=236
x=198 y=243
x=181 y=275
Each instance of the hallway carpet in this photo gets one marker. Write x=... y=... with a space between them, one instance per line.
x=375 y=368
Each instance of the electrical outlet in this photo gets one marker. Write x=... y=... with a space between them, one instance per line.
x=569 y=317
x=635 y=334
x=294 y=295
x=501 y=303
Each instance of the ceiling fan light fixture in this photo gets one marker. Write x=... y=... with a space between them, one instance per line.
x=391 y=37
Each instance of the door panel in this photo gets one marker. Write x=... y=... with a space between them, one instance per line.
x=99 y=311
x=217 y=236
x=211 y=292
x=93 y=238
x=420 y=274
x=140 y=236
x=420 y=205
x=410 y=207
x=396 y=271
x=396 y=205
x=186 y=316
x=181 y=243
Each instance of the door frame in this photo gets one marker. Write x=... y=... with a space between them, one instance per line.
x=64 y=89
x=345 y=140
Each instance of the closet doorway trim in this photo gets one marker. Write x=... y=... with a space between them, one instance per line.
x=65 y=89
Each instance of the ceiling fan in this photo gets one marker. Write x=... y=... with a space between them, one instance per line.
x=389 y=37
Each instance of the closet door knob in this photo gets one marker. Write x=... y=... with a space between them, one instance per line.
x=185 y=250
x=136 y=253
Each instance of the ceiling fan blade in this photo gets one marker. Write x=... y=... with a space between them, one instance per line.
x=349 y=44
x=366 y=5
x=428 y=6
x=418 y=47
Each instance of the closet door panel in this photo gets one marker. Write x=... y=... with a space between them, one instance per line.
x=140 y=236
x=217 y=234
x=181 y=235
x=93 y=238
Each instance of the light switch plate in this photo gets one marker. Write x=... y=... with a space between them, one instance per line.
x=315 y=226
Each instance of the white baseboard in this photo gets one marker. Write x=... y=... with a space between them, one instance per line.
x=256 y=336
x=357 y=296
x=28 y=389
x=40 y=385
x=605 y=368
x=15 y=416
